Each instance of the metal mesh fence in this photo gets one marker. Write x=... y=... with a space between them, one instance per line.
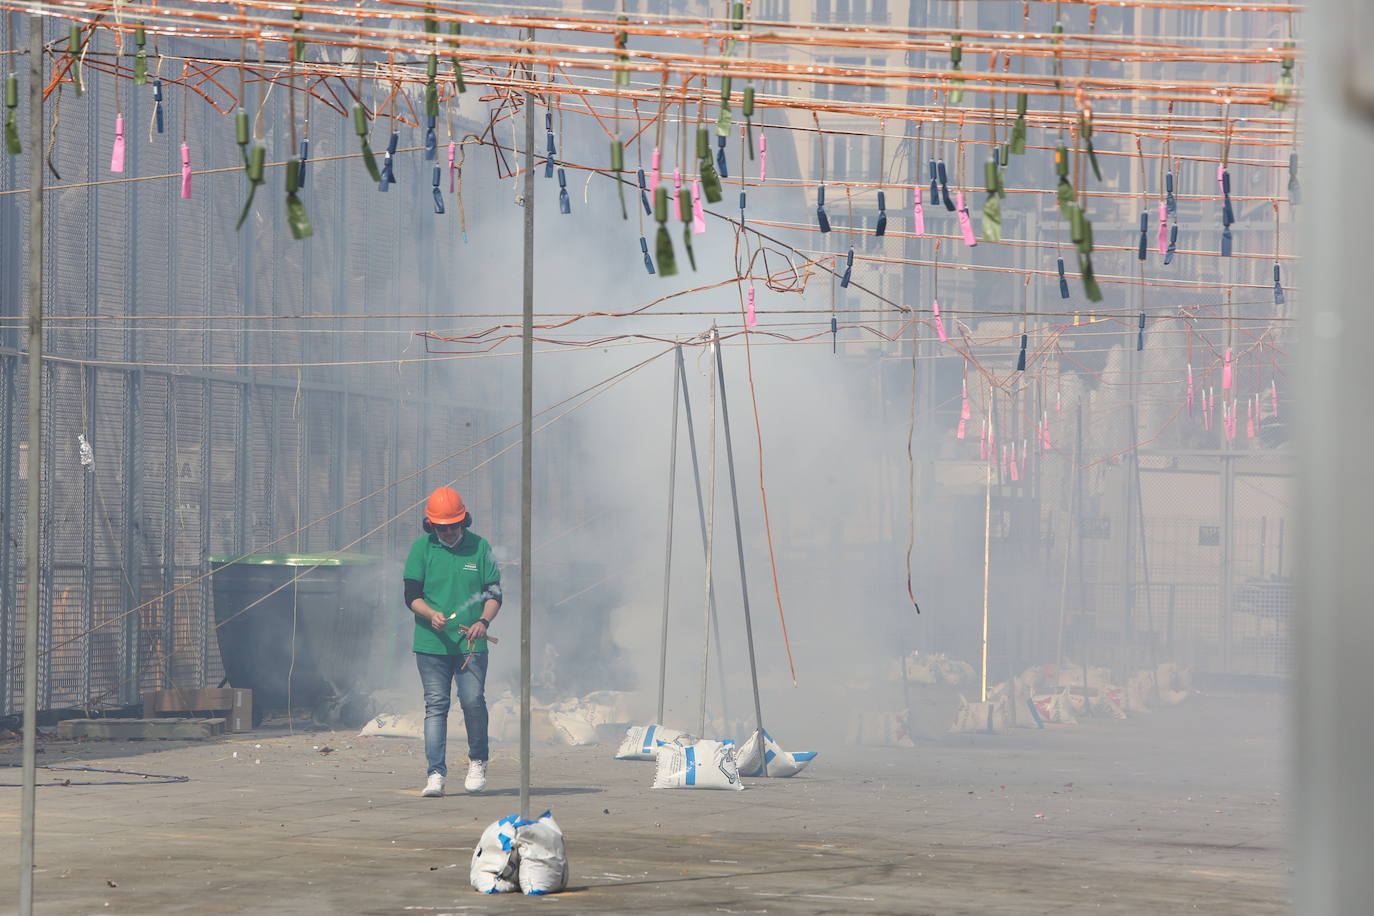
x=206 y=439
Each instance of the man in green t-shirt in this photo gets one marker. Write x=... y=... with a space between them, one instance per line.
x=453 y=587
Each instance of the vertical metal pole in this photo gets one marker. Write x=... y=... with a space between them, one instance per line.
x=526 y=435
x=705 y=539
x=1127 y=525
x=171 y=498
x=1069 y=518
x=668 y=541
x=31 y=518
x=710 y=553
x=739 y=542
x=1228 y=509
x=1144 y=560
x=987 y=569
x=88 y=502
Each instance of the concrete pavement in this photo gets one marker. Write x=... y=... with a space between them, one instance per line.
x=1178 y=811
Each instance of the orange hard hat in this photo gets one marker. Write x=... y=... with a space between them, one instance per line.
x=445 y=507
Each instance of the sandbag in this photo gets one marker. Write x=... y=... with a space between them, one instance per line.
x=985 y=717
x=1057 y=708
x=543 y=857
x=704 y=765
x=780 y=763
x=1141 y=692
x=394 y=725
x=495 y=863
x=520 y=855
x=572 y=727
x=608 y=707
x=409 y=725
x=1173 y=682
x=642 y=740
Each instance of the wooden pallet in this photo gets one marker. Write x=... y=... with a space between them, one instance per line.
x=115 y=729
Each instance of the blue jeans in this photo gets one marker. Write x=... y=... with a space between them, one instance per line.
x=437 y=674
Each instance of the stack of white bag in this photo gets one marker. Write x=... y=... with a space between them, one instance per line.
x=641 y=741
x=520 y=855
x=779 y=762
x=704 y=765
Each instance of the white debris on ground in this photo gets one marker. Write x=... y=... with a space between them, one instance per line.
x=780 y=763
x=906 y=699
x=930 y=668
x=706 y=764
x=516 y=855
x=1044 y=695
x=575 y=721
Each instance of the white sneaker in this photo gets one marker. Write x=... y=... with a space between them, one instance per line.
x=477 y=776
x=434 y=786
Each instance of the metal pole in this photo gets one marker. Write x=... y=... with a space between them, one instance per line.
x=668 y=541
x=987 y=567
x=705 y=539
x=739 y=542
x=1069 y=517
x=1227 y=543
x=710 y=552
x=1127 y=644
x=35 y=469
x=1144 y=559
x=526 y=462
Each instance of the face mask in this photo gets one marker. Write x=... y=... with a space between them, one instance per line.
x=457 y=536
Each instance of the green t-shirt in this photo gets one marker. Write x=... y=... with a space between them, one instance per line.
x=452 y=581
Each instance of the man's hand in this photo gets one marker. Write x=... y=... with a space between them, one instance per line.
x=476 y=630
x=437 y=621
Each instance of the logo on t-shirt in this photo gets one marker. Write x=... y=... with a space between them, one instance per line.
x=470 y=566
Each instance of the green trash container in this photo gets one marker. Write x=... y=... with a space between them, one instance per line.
x=307 y=645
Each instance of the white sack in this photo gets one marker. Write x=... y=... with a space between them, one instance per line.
x=520 y=855
x=495 y=863
x=642 y=740
x=704 y=765
x=979 y=717
x=1057 y=708
x=572 y=727
x=543 y=858
x=780 y=763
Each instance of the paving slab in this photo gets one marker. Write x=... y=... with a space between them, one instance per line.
x=1175 y=812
